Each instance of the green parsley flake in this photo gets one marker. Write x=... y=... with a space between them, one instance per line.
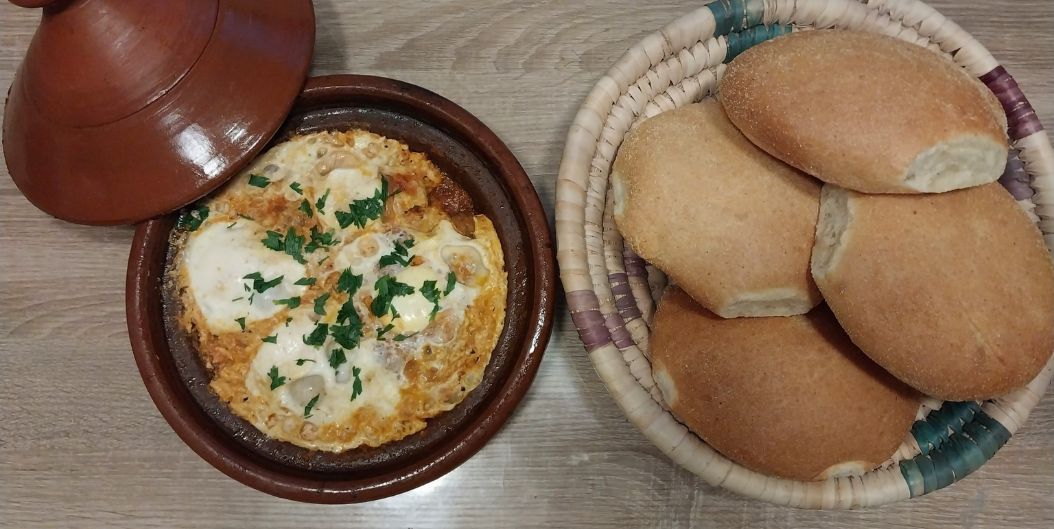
x=291 y=244
x=317 y=336
x=387 y=290
x=320 y=304
x=400 y=255
x=192 y=219
x=310 y=405
x=241 y=322
x=305 y=206
x=431 y=293
x=364 y=210
x=381 y=331
x=400 y=337
x=348 y=314
x=305 y=281
x=347 y=336
x=292 y=303
x=270 y=339
x=337 y=357
x=302 y=361
x=451 y=280
x=258 y=181
x=295 y=186
x=320 y=239
x=349 y=282
x=276 y=381
x=260 y=285
x=321 y=203
x=356 y=386
x=231 y=225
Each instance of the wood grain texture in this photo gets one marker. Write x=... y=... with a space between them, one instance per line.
x=81 y=445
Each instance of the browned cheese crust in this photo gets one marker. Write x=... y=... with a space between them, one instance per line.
x=790 y=397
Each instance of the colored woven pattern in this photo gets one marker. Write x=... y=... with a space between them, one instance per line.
x=612 y=292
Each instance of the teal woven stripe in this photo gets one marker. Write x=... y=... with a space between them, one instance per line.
x=740 y=41
x=942 y=423
x=736 y=15
x=957 y=455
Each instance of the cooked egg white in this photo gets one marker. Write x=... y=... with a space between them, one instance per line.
x=219 y=256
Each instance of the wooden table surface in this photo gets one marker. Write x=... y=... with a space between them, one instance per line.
x=81 y=444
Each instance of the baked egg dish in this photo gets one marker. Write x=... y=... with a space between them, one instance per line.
x=340 y=291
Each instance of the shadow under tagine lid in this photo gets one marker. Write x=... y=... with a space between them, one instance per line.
x=126 y=110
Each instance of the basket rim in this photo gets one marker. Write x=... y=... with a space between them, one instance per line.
x=731 y=26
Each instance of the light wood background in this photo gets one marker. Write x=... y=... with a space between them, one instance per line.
x=81 y=444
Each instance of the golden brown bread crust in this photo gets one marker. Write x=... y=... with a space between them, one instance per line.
x=790 y=397
x=952 y=293
x=857 y=110
x=726 y=221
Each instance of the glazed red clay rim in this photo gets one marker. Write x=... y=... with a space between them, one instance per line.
x=171 y=396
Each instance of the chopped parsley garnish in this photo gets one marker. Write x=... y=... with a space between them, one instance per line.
x=347 y=313
x=276 y=380
x=347 y=335
x=305 y=206
x=231 y=225
x=381 y=331
x=310 y=405
x=295 y=186
x=287 y=320
x=337 y=357
x=349 y=282
x=400 y=337
x=246 y=217
x=260 y=285
x=239 y=298
x=364 y=210
x=256 y=180
x=270 y=339
x=356 y=386
x=302 y=361
x=451 y=280
x=400 y=255
x=305 y=281
x=317 y=336
x=431 y=293
x=192 y=219
x=292 y=303
x=321 y=203
x=320 y=304
x=387 y=290
x=241 y=322
x=320 y=239
x=291 y=244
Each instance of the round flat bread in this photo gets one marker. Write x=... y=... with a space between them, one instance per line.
x=730 y=224
x=790 y=397
x=867 y=112
x=953 y=293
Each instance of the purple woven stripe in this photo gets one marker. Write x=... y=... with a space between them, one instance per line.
x=619 y=333
x=1016 y=180
x=587 y=318
x=634 y=264
x=1021 y=117
x=625 y=302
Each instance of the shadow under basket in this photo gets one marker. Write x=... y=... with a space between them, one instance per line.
x=612 y=292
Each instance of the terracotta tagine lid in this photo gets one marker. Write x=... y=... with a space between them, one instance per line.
x=123 y=111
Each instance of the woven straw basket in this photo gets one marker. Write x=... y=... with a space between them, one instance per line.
x=612 y=292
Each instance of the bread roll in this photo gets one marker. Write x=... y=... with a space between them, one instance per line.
x=789 y=397
x=731 y=225
x=952 y=293
x=867 y=112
